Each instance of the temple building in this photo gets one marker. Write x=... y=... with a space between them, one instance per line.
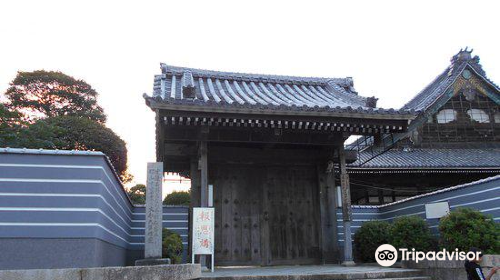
x=454 y=139
x=272 y=152
x=269 y=147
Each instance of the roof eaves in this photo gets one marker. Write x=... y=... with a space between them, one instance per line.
x=201 y=106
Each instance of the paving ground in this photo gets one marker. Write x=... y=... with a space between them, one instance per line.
x=312 y=272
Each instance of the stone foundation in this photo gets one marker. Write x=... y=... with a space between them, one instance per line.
x=158 y=272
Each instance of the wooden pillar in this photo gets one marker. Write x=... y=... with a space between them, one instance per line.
x=328 y=217
x=160 y=137
x=380 y=197
x=194 y=175
x=203 y=167
x=346 y=208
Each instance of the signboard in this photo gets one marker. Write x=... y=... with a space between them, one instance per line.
x=437 y=210
x=203 y=232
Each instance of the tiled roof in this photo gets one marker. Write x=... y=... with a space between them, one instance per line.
x=434 y=158
x=195 y=87
x=424 y=99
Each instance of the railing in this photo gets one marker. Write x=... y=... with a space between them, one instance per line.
x=367 y=147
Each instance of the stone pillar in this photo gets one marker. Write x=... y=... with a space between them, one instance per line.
x=346 y=208
x=154 y=217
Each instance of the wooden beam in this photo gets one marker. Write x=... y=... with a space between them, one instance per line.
x=388 y=125
x=240 y=135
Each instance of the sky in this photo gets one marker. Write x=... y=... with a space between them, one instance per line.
x=392 y=49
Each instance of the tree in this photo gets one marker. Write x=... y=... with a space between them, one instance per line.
x=177 y=198
x=465 y=228
x=41 y=94
x=10 y=123
x=52 y=110
x=84 y=134
x=369 y=237
x=75 y=133
x=171 y=246
x=137 y=194
x=411 y=232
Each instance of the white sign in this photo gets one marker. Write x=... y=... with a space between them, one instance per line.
x=203 y=231
x=437 y=210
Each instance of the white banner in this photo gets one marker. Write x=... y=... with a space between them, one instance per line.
x=203 y=231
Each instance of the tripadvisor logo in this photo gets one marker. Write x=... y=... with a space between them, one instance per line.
x=387 y=255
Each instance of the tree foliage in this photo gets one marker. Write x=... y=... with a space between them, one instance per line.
x=137 y=194
x=84 y=134
x=52 y=110
x=411 y=232
x=171 y=246
x=369 y=237
x=72 y=133
x=465 y=228
x=41 y=94
x=177 y=198
x=10 y=122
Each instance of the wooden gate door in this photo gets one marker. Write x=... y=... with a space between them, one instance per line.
x=291 y=216
x=237 y=201
x=265 y=215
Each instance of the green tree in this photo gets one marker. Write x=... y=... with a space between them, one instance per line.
x=52 y=110
x=75 y=133
x=369 y=237
x=465 y=228
x=177 y=198
x=171 y=246
x=10 y=123
x=411 y=232
x=41 y=94
x=137 y=194
x=84 y=134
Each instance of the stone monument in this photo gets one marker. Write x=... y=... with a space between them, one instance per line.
x=154 y=217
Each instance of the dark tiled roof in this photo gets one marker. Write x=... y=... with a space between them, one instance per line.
x=434 y=158
x=437 y=88
x=424 y=99
x=187 y=86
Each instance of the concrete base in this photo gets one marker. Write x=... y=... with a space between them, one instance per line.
x=348 y=263
x=157 y=272
x=148 y=262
